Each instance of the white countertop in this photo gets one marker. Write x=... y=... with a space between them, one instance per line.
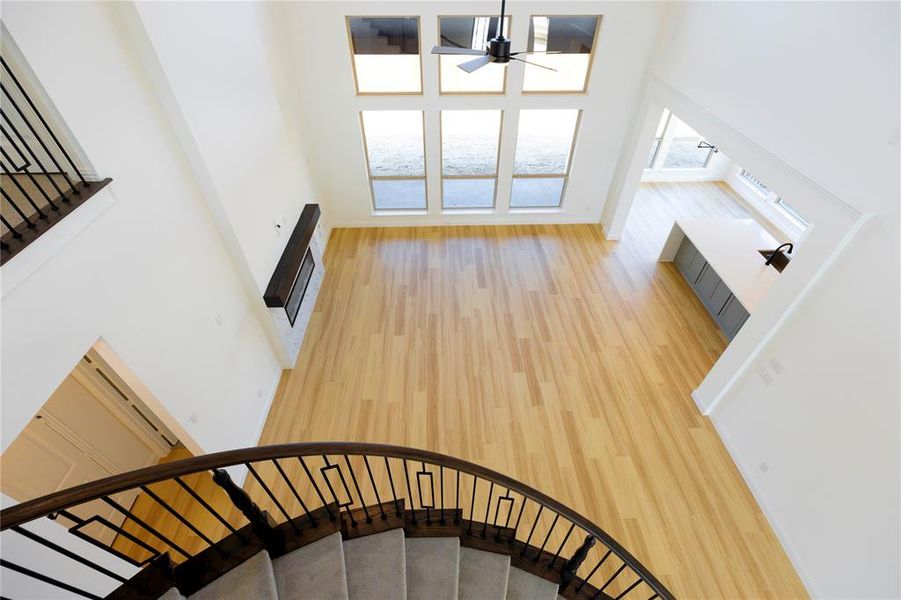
x=730 y=246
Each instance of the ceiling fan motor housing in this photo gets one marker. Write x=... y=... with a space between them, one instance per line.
x=499 y=50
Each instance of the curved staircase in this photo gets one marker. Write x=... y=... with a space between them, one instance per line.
x=358 y=521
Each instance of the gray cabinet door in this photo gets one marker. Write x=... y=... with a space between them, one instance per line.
x=706 y=285
x=689 y=261
x=719 y=297
x=732 y=317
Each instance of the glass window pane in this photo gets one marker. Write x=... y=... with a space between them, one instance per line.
x=544 y=141
x=469 y=141
x=654 y=146
x=394 y=194
x=683 y=151
x=570 y=39
x=394 y=142
x=385 y=54
x=469 y=32
x=537 y=192
x=468 y=193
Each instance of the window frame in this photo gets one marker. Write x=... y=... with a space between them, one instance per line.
x=497 y=162
x=594 y=45
x=565 y=175
x=503 y=92
x=371 y=177
x=353 y=61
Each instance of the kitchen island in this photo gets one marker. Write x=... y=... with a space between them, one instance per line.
x=721 y=261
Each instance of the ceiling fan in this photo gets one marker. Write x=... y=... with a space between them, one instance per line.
x=498 y=51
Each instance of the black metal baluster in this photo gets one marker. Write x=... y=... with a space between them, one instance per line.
x=393 y=492
x=350 y=500
x=375 y=488
x=68 y=553
x=547 y=537
x=35 y=157
x=40 y=141
x=303 y=505
x=428 y=516
x=518 y=519
x=654 y=596
x=563 y=543
x=531 y=531
x=16 y=235
x=44 y=123
x=488 y=509
x=472 y=502
x=457 y=510
x=596 y=567
x=629 y=589
x=54 y=582
x=178 y=516
x=441 y=476
x=143 y=524
x=209 y=509
x=272 y=497
x=22 y=191
x=28 y=222
x=353 y=478
x=409 y=492
x=609 y=581
x=30 y=176
x=316 y=487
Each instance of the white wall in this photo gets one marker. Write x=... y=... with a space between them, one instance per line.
x=151 y=274
x=806 y=96
x=328 y=109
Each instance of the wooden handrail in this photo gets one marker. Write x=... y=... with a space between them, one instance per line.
x=57 y=501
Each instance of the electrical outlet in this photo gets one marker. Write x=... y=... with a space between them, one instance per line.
x=764 y=468
x=778 y=369
x=194 y=417
x=219 y=320
x=765 y=376
x=260 y=393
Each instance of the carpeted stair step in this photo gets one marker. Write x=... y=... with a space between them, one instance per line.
x=376 y=566
x=254 y=578
x=525 y=586
x=433 y=564
x=483 y=575
x=171 y=594
x=313 y=572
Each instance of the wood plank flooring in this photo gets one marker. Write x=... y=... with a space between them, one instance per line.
x=551 y=355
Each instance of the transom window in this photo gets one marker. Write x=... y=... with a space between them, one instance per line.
x=563 y=43
x=544 y=146
x=678 y=146
x=474 y=33
x=470 y=144
x=386 y=54
x=395 y=158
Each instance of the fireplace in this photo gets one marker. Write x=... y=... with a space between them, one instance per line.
x=294 y=286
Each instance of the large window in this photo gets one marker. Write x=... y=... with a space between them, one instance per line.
x=474 y=33
x=544 y=146
x=678 y=146
x=385 y=54
x=395 y=158
x=470 y=140
x=565 y=44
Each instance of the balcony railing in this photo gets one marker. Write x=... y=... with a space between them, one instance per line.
x=40 y=182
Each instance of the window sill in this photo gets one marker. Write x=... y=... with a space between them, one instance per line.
x=392 y=212
x=537 y=210
x=468 y=211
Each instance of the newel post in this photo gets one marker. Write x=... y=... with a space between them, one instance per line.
x=568 y=572
x=260 y=522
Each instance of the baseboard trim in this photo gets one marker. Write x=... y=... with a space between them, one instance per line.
x=440 y=221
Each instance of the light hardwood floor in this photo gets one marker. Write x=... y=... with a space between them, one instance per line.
x=552 y=355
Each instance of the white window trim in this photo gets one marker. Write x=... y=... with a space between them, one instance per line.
x=765 y=205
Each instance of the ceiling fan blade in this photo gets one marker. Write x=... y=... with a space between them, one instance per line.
x=454 y=50
x=537 y=52
x=471 y=65
x=529 y=63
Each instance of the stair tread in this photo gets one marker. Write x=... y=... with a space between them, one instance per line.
x=172 y=594
x=433 y=565
x=376 y=566
x=483 y=575
x=525 y=586
x=254 y=578
x=313 y=572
